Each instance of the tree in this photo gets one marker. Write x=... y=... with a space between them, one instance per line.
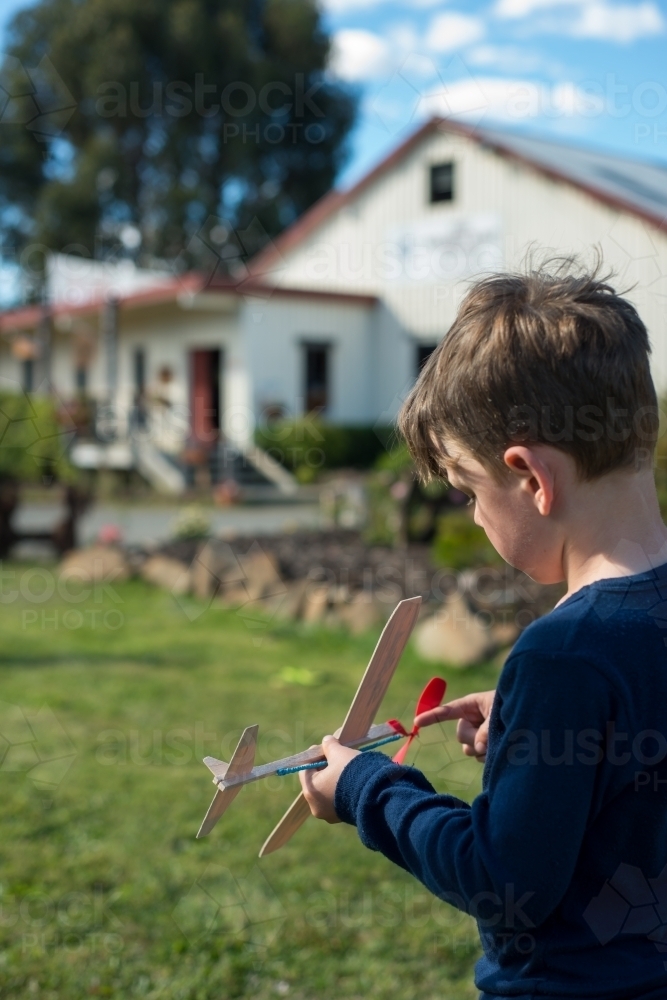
x=135 y=125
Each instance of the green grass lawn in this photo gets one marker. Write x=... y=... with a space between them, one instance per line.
x=107 y=707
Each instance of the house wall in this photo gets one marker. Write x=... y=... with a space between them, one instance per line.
x=393 y=364
x=11 y=371
x=511 y=206
x=274 y=333
x=167 y=335
x=262 y=359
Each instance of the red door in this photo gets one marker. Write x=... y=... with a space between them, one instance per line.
x=205 y=399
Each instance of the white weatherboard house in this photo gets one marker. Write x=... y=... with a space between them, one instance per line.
x=338 y=314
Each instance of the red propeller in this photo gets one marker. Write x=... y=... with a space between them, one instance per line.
x=430 y=697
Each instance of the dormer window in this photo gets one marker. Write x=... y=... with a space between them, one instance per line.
x=442 y=182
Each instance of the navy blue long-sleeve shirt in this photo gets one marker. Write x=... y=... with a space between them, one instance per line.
x=562 y=859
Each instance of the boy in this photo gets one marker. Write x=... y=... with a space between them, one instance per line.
x=539 y=404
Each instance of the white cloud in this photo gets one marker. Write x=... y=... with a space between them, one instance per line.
x=523 y=8
x=512 y=100
x=404 y=37
x=594 y=18
x=450 y=31
x=506 y=58
x=619 y=23
x=345 y=6
x=358 y=55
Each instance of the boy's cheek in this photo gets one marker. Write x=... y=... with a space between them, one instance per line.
x=500 y=530
x=513 y=537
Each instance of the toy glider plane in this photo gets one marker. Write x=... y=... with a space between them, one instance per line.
x=357 y=731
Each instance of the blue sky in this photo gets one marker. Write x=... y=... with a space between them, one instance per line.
x=592 y=71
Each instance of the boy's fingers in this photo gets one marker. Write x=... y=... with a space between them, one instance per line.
x=482 y=739
x=475 y=740
x=331 y=746
x=468 y=707
x=459 y=708
x=440 y=714
x=319 y=786
x=335 y=752
x=466 y=732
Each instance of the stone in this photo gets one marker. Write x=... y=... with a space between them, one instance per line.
x=271 y=606
x=95 y=564
x=290 y=606
x=454 y=635
x=204 y=582
x=170 y=574
x=214 y=562
x=360 y=614
x=260 y=573
x=316 y=600
x=233 y=596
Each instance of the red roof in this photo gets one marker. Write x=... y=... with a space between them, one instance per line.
x=29 y=317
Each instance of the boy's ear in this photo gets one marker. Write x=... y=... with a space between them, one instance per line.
x=536 y=475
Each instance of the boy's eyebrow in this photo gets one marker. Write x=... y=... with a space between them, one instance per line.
x=451 y=464
x=448 y=462
x=455 y=476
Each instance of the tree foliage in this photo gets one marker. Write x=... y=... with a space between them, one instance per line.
x=161 y=127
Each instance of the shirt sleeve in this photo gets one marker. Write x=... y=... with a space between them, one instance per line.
x=522 y=836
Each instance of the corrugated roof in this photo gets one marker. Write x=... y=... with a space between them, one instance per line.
x=636 y=185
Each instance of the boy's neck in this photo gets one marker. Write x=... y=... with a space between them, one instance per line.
x=613 y=527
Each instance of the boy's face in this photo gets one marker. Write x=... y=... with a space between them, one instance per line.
x=510 y=511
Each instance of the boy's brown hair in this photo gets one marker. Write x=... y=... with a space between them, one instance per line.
x=553 y=356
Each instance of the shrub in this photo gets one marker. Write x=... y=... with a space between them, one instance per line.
x=33 y=444
x=191 y=523
x=314 y=444
x=461 y=544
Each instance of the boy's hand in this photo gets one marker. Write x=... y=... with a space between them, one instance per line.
x=319 y=787
x=473 y=713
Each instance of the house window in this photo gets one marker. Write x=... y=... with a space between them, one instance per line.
x=442 y=182
x=139 y=373
x=28 y=373
x=81 y=379
x=316 y=377
x=424 y=352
